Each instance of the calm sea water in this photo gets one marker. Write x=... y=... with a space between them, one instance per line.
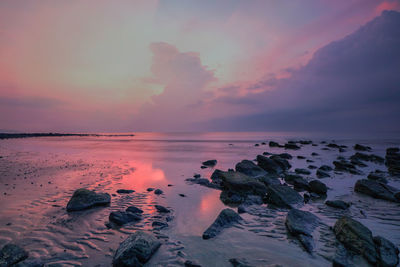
x=38 y=175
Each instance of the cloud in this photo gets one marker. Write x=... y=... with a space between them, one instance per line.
x=352 y=84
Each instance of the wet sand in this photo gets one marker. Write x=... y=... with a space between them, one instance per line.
x=39 y=175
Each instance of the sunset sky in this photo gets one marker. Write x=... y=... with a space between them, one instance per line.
x=100 y=65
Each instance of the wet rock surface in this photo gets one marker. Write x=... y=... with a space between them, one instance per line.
x=123 y=217
x=12 y=254
x=392 y=160
x=225 y=219
x=283 y=196
x=376 y=190
x=85 y=199
x=301 y=224
x=136 y=250
x=338 y=204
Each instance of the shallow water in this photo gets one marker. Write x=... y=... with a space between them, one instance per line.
x=38 y=176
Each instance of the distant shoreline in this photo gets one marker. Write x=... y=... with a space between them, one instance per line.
x=28 y=135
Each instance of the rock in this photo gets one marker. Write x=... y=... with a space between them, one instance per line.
x=377 y=176
x=357 y=162
x=121 y=217
x=159 y=225
x=125 y=191
x=341 y=258
x=285 y=156
x=229 y=198
x=345 y=166
x=305 y=142
x=318 y=187
x=182 y=195
x=361 y=147
x=189 y=263
x=250 y=168
x=85 y=199
x=274 y=144
x=210 y=163
x=367 y=157
x=302 y=171
x=216 y=178
x=162 y=209
x=242 y=184
x=134 y=209
x=339 y=204
x=356 y=238
x=314 y=154
x=283 y=196
x=150 y=189
x=326 y=168
x=322 y=174
x=301 y=157
x=272 y=166
x=393 y=160
x=204 y=182
x=225 y=219
x=283 y=163
x=301 y=224
x=239 y=262
x=136 y=250
x=11 y=254
x=256 y=144
x=332 y=145
x=30 y=263
x=291 y=177
x=312 y=167
x=376 y=190
x=387 y=252
x=301 y=184
x=291 y=146
x=158 y=192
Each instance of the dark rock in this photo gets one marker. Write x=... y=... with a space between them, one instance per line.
x=341 y=258
x=301 y=184
x=204 y=182
x=387 y=252
x=159 y=225
x=274 y=144
x=250 y=168
x=225 y=219
x=136 y=250
x=367 y=157
x=216 y=177
x=11 y=254
x=322 y=174
x=312 y=167
x=314 y=154
x=270 y=165
x=242 y=184
x=150 y=189
x=196 y=175
x=158 y=192
x=302 y=171
x=85 y=199
x=239 y=262
x=189 y=263
x=305 y=142
x=377 y=176
x=125 y=191
x=283 y=163
x=332 y=145
x=283 y=196
x=256 y=144
x=121 y=217
x=285 y=156
x=134 y=209
x=290 y=177
x=393 y=160
x=301 y=157
x=356 y=238
x=182 y=195
x=301 y=224
x=318 y=187
x=291 y=146
x=361 y=147
x=326 y=168
x=229 y=198
x=210 y=163
x=345 y=166
x=309 y=160
x=376 y=190
x=161 y=209
x=339 y=204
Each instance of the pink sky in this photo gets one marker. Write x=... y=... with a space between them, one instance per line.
x=150 y=65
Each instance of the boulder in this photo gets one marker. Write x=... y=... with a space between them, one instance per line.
x=291 y=146
x=134 y=209
x=86 y=199
x=125 y=191
x=283 y=196
x=274 y=144
x=302 y=171
x=225 y=219
x=216 y=177
x=250 y=168
x=210 y=163
x=285 y=156
x=368 y=157
x=387 y=252
x=361 y=147
x=136 y=250
x=356 y=238
x=301 y=184
x=338 y=204
x=318 y=187
x=326 y=168
x=376 y=190
x=158 y=192
x=392 y=160
x=377 y=176
x=11 y=254
x=322 y=174
x=301 y=224
x=346 y=166
x=161 y=209
x=275 y=165
x=242 y=184
x=290 y=177
x=121 y=217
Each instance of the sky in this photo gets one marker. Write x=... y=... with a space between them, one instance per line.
x=224 y=65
